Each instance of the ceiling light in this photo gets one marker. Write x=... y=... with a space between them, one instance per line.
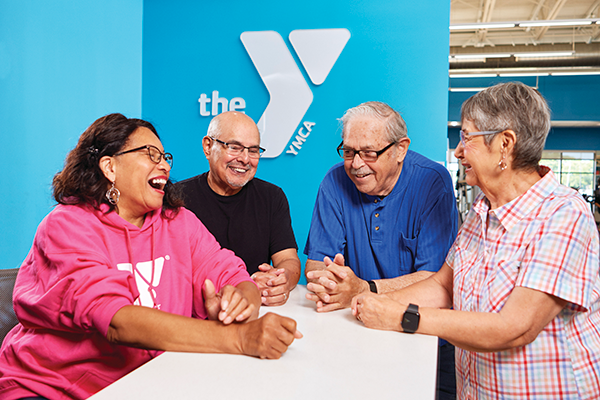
x=523 y=24
x=514 y=74
x=477 y=26
x=574 y=73
x=466 y=89
x=479 y=56
x=473 y=75
x=545 y=54
x=556 y=22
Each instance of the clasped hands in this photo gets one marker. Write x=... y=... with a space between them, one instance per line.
x=272 y=284
x=337 y=287
x=334 y=286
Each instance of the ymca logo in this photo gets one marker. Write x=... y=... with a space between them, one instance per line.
x=290 y=95
x=318 y=50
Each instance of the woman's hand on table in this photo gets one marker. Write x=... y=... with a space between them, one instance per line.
x=268 y=336
x=228 y=305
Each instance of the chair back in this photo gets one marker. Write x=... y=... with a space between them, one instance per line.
x=8 y=319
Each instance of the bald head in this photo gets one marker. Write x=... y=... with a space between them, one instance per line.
x=232 y=121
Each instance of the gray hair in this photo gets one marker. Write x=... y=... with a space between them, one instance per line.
x=214 y=128
x=517 y=107
x=395 y=127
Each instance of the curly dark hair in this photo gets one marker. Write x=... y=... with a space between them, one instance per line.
x=82 y=181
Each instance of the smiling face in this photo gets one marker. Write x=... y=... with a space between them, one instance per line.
x=229 y=173
x=375 y=178
x=479 y=160
x=140 y=180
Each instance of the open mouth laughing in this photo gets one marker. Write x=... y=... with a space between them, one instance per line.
x=158 y=183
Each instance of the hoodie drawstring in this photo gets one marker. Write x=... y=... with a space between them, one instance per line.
x=137 y=272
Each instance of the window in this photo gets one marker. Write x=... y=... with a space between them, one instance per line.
x=573 y=169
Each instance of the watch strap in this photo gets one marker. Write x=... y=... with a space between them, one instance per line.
x=372 y=286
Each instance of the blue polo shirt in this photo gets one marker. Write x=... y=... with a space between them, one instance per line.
x=409 y=230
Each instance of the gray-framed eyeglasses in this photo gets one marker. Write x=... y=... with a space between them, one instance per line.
x=235 y=149
x=366 y=155
x=153 y=152
x=464 y=134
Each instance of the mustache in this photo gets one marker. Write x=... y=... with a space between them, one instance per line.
x=236 y=164
x=361 y=171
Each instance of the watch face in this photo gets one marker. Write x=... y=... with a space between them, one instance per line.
x=410 y=320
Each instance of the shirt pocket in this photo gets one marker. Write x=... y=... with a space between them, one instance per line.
x=407 y=249
x=499 y=284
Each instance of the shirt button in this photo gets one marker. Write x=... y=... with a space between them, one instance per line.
x=376 y=228
x=376 y=215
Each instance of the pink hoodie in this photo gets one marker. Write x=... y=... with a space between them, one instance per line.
x=83 y=267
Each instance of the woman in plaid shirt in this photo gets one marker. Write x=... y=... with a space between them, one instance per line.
x=522 y=277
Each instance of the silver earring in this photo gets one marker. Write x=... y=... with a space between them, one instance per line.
x=502 y=164
x=113 y=194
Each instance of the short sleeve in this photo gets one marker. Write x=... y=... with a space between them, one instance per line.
x=281 y=232
x=327 y=235
x=563 y=257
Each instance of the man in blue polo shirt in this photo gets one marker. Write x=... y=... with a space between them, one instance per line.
x=387 y=214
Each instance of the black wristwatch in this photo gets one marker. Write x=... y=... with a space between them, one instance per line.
x=410 y=320
x=372 y=286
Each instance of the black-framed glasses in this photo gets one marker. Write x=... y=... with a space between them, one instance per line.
x=153 y=152
x=464 y=135
x=366 y=155
x=235 y=149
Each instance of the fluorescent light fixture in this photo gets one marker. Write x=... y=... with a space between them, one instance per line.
x=466 y=89
x=479 y=56
x=473 y=75
x=523 y=24
x=574 y=73
x=545 y=54
x=515 y=74
x=482 y=25
x=556 y=22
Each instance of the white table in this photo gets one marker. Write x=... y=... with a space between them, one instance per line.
x=338 y=358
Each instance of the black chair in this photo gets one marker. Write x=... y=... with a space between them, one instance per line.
x=8 y=319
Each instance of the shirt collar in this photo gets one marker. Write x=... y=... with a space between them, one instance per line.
x=511 y=213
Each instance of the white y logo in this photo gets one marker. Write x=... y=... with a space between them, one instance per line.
x=143 y=275
x=318 y=50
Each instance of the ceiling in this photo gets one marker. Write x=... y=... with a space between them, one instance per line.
x=495 y=50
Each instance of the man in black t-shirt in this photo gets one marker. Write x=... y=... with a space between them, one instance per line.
x=245 y=214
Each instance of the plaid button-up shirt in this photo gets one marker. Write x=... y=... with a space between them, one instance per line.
x=547 y=240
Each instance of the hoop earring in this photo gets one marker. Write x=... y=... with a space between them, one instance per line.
x=113 y=195
x=502 y=164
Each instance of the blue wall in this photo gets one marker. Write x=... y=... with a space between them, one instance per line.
x=63 y=63
x=571 y=98
x=195 y=48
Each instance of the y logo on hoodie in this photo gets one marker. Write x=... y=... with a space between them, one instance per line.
x=144 y=278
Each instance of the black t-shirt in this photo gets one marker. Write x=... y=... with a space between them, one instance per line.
x=255 y=222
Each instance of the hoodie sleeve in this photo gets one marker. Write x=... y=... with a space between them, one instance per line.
x=212 y=262
x=65 y=283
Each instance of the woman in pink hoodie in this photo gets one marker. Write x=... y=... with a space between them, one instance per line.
x=119 y=272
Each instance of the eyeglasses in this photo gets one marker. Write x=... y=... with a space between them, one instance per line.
x=464 y=135
x=366 y=155
x=153 y=152
x=235 y=149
